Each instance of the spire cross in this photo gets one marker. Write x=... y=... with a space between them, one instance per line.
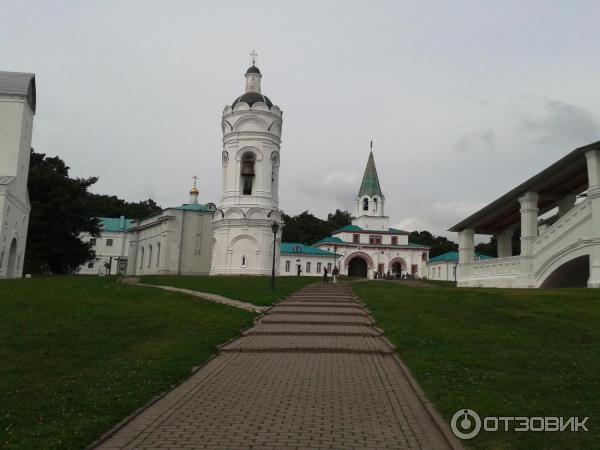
x=195 y=178
x=253 y=54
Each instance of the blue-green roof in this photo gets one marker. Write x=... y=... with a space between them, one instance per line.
x=115 y=224
x=370 y=182
x=329 y=240
x=347 y=228
x=453 y=257
x=294 y=248
x=194 y=207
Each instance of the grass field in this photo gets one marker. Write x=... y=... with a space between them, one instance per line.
x=256 y=290
x=80 y=354
x=500 y=353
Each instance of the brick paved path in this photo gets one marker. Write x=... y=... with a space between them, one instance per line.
x=314 y=372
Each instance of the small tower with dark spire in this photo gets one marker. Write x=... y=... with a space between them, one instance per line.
x=370 y=201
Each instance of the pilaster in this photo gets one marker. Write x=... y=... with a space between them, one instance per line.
x=529 y=225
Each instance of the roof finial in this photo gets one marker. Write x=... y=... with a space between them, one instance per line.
x=194 y=188
x=253 y=54
x=371 y=144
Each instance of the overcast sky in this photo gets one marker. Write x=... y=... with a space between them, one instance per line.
x=462 y=99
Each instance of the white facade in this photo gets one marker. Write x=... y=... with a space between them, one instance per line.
x=111 y=247
x=243 y=235
x=17 y=108
x=305 y=261
x=442 y=270
x=177 y=241
x=368 y=247
x=564 y=253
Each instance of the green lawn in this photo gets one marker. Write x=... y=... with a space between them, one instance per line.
x=500 y=353
x=256 y=290
x=80 y=354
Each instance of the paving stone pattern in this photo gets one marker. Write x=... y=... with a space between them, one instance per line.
x=313 y=373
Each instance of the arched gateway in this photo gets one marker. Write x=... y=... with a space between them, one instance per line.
x=358 y=264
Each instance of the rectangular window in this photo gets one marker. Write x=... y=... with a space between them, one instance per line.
x=90 y=265
x=308 y=267
x=109 y=242
x=375 y=240
x=414 y=269
x=394 y=240
x=287 y=266
x=356 y=238
x=329 y=267
x=318 y=267
x=93 y=241
x=424 y=257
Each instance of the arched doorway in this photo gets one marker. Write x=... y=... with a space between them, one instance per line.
x=12 y=260
x=398 y=266
x=357 y=268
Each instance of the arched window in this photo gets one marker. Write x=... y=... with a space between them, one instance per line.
x=158 y=254
x=365 y=204
x=247 y=172
x=142 y=258
x=149 y=255
x=374 y=205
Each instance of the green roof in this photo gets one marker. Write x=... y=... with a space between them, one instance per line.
x=295 y=248
x=347 y=228
x=453 y=257
x=329 y=240
x=115 y=224
x=195 y=207
x=370 y=182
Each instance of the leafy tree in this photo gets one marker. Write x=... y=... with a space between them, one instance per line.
x=308 y=229
x=439 y=244
x=60 y=211
x=112 y=206
x=491 y=248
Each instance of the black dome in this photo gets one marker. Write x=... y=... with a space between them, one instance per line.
x=253 y=69
x=252 y=98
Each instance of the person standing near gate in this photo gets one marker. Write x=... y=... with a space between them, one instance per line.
x=334 y=273
x=325 y=279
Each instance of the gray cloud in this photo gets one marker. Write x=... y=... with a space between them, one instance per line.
x=476 y=141
x=561 y=122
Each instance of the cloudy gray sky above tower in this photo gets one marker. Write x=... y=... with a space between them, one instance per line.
x=462 y=99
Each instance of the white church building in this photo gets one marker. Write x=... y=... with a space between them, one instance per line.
x=369 y=247
x=17 y=108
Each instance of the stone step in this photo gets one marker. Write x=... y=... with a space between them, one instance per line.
x=316 y=319
x=322 y=330
x=320 y=304
x=307 y=343
x=283 y=309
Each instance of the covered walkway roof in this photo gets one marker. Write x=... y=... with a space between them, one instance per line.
x=566 y=176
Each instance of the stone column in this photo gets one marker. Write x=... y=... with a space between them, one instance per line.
x=504 y=241
x=593 y=167
x=565 y=204
x=529 y=224
x=466 y=246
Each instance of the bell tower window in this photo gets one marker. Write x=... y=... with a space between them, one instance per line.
x=374 y=205
x=247 y=172
x=365 y=204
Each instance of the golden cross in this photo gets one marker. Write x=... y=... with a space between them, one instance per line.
x=253 y=54
x=195 y=179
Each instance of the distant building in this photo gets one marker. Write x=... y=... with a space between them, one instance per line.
x=176 y=241
x=111 y=247
x=369 y=246
x=17 y=108
x=444 y=267
x=305 y=260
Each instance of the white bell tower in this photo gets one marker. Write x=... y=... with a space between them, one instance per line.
x=249 y=207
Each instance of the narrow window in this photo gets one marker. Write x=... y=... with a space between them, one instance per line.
x=318 y=267
x=308 y=267
x=287 y=266
x=329 y=267
x=142 y=258
x=424 y=257
x=394 y=240
x=355 y=238
x=158 y=254
x=109 y=242
x=247 y=172
x=365 y=204
x=243 y=261
x=149 y=256
x=374 y=205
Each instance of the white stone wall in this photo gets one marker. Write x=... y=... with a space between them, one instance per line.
x=442 y=270
x=16 y=123
x=311 y=265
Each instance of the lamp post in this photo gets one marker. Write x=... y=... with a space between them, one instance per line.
x=275 y=229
